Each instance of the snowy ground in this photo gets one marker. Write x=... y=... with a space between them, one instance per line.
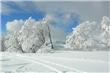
x=60 y=62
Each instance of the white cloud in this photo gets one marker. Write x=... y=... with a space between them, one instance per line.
x=63 y=21
x=87 y=10
x=7 y=6
x=14 y=25
x=28 y=6
x=57 y=34
x=5 y=9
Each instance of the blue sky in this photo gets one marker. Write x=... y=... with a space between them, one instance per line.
x=19 y=15
x=77 y=12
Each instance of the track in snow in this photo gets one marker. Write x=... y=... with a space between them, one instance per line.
x=36 y=61
x=48 y=64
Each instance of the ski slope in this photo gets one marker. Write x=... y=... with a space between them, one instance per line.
x=58 y=62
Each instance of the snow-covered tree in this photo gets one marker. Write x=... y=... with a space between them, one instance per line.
x=105 y=26
x=12 y=44
x=90 y=36
x=2 y=46
x=27 y=36
x=31 y=36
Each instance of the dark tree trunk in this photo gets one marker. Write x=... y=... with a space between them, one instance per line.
x=50 y=38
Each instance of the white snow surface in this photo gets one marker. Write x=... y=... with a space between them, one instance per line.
x=58 y=62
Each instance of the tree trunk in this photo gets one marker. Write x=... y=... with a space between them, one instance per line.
x=50 y=37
